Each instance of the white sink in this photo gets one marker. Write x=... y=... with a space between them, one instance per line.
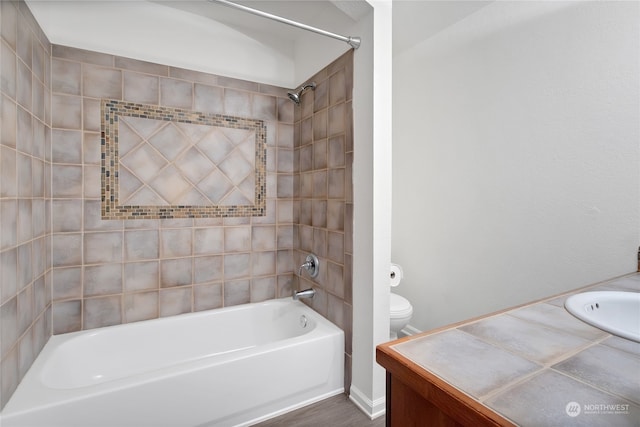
x=615 y=312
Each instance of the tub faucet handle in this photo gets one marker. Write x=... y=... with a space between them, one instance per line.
x=312 y=265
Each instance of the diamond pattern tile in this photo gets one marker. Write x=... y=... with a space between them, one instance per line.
x=174 y=163
x=145 y=162
x=170 y=141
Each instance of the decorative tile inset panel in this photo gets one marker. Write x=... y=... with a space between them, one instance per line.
x=160 y=162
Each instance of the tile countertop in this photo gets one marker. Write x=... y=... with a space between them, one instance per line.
x=537 y=365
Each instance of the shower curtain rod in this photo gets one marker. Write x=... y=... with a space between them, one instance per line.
x=354 y=42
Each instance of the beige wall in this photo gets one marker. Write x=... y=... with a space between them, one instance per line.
x=25 y=118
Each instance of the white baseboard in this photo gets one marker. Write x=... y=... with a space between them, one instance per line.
x=372 y=408
x=410 y=330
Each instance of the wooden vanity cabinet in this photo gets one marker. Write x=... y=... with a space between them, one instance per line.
x=417 y=398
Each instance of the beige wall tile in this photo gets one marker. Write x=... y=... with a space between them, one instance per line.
x=8 y=275
x=263 y=107
x=24 y=220
x=141 y=88
x=9 y=372
x=65 y=77
x=92 y=181
x=176 y=93
x=80 y=55
x=175 y=272
x=237 y=266
x=176 y=242
x=141 y=245
x=91 y=114
x=263 y=263
x=66 y=249
x=102 y=311
x=320 y=95
x=140 y=276
x=67 y=283
x=237 y=239
x=24 y=174
x=319 y=125
x=337 y=119
x=141 y=306
x=175 y=301
x=8 y=132
x=207 y=296
x=263 y=238
x=68 y=111
x=66 y=181
x=208 y=241
x=67 y=316
x=25 y=211
x=263 y=288
x=141 y=66
x=24 y=86
x=8 y=71
x=237 y=292
x=9 y=325
x=208 y=99
x=92 y=220
x=102 y=247
x=102 y=280
x=208 y=269
x=101 y=82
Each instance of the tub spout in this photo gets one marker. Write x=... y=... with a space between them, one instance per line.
x=307 y=293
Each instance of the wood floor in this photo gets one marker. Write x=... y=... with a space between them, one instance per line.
x=337 y=411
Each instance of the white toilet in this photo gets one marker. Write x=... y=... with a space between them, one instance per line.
x=399 y=314
x=400 y=309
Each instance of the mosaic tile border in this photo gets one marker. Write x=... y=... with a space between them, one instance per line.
x=111 y=109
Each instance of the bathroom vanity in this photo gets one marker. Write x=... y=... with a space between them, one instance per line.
x=533 y=365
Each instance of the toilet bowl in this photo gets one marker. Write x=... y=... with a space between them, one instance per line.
x=400 y=311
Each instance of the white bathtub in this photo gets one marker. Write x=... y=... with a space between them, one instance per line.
x=226 y=367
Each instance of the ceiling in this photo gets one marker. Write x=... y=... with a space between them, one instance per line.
x=413 y=20
x=417 y=20
x=328 y=15
x=187 y=33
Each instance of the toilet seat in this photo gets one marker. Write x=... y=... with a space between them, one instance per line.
x=399 y=306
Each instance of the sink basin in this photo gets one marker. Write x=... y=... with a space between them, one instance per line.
x=615 y=312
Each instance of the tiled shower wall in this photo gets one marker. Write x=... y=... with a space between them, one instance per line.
x=25 y=142
x=323 y=209
x=108 y=272
x=53 y=243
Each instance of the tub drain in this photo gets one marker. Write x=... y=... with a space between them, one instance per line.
x=303 y=321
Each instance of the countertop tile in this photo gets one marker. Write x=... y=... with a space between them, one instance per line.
x=623 y=344
x=625 y=284
x=631 y=283
x=558 y=318
x=447 y=355
x=543 y=401
x=607 y=368
x=558 y=302
x=528 y=339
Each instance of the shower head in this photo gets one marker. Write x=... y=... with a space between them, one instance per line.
x=295 y=96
